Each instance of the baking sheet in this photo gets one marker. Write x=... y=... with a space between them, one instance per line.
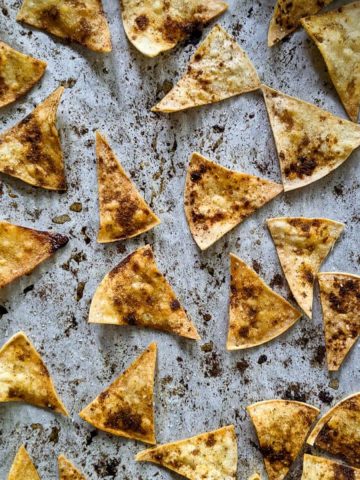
x=199 y=386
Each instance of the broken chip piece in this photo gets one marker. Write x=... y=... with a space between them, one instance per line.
x=219 y=69
x=318 y=468
x=217 y=199
x=126 y=407
x=67 y=471
x=23 y=467
x=209 y=456
x=302 y=244
x=24 y=376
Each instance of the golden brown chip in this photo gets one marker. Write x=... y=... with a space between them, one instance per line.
x=282 y=427
x=318 y=468
x=22 y=249
x=217 y=199
x=257 y=313
x=337 y=36
x=123 y=211
x=219 y=69
x=310 y=142
x=209 y=456
x=154 y=27
x=338 y=431
x=22 y=467
x=18 y=73
x=67 y=471
x=24 y=376
x=302 y=245
x=340 y=301
x=31 y=150
x=126 y=407
x=82 y=21
x=287 y=15
x=136 y=293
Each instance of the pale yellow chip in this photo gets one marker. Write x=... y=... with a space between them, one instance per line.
x=337 y=35
x=126 y=407
x=123 y=211
x=340 y=301
x=156 y=26
x=287 y=15
x=257 y=314
x=67 y=471
x=302 y=245
x=319 y=468
x=24 y=376
x=23 y=467
x=136 y=293
x=22 y=249
x=209 y=456
x=282 y=427
x=18 y=73
x=310 y=142
x=338 y=431
x=217 y=199
x=82 y=21
x=256 y=476
x=31 y=150
x=219 y=69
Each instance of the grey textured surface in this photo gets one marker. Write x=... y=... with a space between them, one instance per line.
x=195 y=390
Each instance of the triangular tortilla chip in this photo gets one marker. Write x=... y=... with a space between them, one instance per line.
x=256 y=476
x=209 y=456
x=338 y=431
x=136 y=293
x=126 y=407
x=281 y=427
x=23 y=467
x=287 y=15
x=18 y=73
x=24 y=376
x=318 y=468
x=67 y=471
x=219 y=69
x=217 y=199
x=82 y=22
x=155 y=28
x=340 y=301
x=123 y=211
x=302 y=245
x=31 y=150
x=22 y=249
x=310 y=142
x=337 y=36
x=257 y=313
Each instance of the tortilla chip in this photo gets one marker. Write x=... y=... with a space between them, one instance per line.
x=337 y=36
x=302 y=245
x=22 y=249
x=318 y=468
x=338 y=431
x=287 y=15
x=310 y=142
x=257 y=313
x=256 y=476
x=18 y=73
x=82 y=22
x=31 y=150
x=24 y=376
x=217 y=199
x=136 y=293
x=126 y=407
x=23 y=467
x=219 y=69
x=209 y=456
x=340 y=301
x=67 y=471
x=155 y=28
x=282 y=427
x=123 y=211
